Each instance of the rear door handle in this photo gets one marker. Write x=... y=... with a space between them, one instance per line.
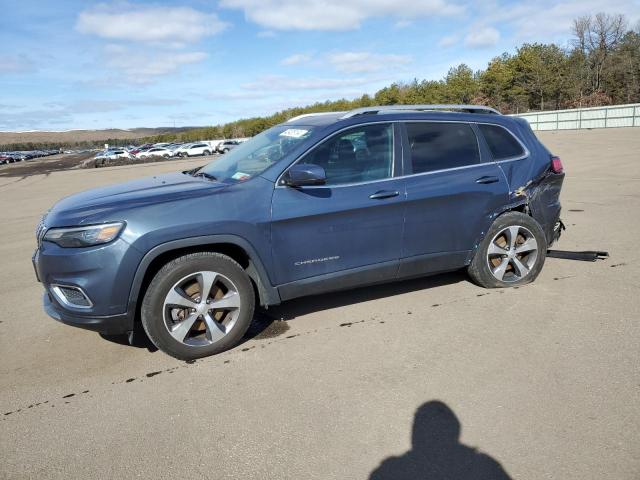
x=384 y=194
x=487 y=179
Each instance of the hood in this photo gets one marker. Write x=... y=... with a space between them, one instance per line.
x=145 y=191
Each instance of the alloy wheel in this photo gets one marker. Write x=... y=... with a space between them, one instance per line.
x=201 y=308
x=512 y=254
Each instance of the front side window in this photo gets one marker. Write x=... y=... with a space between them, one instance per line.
x=361 y=154
x=502 y=144
x=440 y=146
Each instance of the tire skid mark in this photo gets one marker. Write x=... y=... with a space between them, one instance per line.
x=374 y=320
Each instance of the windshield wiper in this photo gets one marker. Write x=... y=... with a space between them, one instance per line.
x=206 y=175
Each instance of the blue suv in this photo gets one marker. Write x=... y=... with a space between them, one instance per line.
x=321 y=202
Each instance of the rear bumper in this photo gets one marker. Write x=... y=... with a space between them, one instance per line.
x=109 y=325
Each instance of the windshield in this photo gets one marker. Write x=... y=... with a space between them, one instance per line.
x=254 y=156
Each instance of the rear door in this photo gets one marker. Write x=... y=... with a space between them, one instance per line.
x=452 y=193
x=348 y=231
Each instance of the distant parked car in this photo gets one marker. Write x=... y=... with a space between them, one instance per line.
x=155 y=152
x=112 y=154
x=5 y=159
x=193 y=149
x=136 y=150
x=214 y=144
x=227 y=145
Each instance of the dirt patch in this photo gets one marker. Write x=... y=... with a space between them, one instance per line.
x=91 y=163
x=45 y=165
x=55 y=163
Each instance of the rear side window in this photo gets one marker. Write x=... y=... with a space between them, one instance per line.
x=438 y=146
x=502 y=144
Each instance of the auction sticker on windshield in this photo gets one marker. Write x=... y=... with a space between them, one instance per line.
x=241 y=176
x=294 y=132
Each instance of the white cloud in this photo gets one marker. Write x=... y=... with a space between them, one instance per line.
x=482 y=37
x=148 y=23
x=366 y=62
x=238 y=96
x=448 y=41
x=59 y=113
x=549 y=20
x=296 y=59
x=266 y=34
x=16 y=64
x=142 y=66
x=100 y=106
x=282 y=83
x=335 y=14
x=403 y=23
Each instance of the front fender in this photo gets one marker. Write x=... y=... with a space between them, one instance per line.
x=256 y=270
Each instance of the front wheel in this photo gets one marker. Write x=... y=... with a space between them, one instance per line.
x=198 y=305
x=511 y=254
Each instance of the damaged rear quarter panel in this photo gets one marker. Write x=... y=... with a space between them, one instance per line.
x=532 y=185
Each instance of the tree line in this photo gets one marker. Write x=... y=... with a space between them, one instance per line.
x=601 y=66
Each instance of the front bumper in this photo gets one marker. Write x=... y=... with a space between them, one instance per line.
x=109 y=325
x=103 y=274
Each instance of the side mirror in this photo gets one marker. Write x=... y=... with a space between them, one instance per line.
x=301 y=175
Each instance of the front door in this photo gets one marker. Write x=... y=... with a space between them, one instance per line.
x=348 y=231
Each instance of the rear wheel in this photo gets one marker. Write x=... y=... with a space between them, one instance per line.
x=198 y=305
x=512 y=253
x=225 y=150
x=206 y=153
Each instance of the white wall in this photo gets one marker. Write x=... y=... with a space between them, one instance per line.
x=594 y=117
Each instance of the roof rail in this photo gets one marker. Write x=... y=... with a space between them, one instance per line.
x=419 y=108
x=304 y=115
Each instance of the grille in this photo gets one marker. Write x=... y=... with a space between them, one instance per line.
x=41 y=229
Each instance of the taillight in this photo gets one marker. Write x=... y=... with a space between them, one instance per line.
x=556 y=165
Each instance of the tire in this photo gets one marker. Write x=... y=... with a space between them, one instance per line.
x=208 y=330
x=184 y=154
x=226 y=150
x=206 y=153
x=512 y=252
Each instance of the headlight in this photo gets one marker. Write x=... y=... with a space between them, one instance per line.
x=84 y=236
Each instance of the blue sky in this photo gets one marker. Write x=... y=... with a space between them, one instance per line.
x=81 y=64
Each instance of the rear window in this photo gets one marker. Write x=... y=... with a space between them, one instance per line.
x=502 y=144
x=438 y=146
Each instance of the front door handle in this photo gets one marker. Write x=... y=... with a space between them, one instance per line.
x=487 y=179
x=384 y=194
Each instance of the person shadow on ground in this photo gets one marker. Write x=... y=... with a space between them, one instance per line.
x=437 y=453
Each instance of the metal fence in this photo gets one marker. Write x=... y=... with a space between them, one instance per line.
x=578 y=118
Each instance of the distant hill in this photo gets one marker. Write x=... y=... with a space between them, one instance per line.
x=78 y=136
